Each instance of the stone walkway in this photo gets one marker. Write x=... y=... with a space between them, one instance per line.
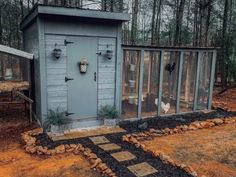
x=126 y=160
x=139 y=170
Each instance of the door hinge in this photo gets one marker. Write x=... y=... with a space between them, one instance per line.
x=68 y=113
x=67 y=42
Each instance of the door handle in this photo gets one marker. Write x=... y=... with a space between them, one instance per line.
x=68 y=79
x=95 y=76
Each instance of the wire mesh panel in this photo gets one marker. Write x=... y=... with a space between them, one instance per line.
x=130 y=85
x=204 y=80
x=170 y=75
x=150 y=83
x=13 y=68
x=188 y=81
x=171 y=80
x=14 y=73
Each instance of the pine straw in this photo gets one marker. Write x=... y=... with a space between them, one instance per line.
x=8 y=86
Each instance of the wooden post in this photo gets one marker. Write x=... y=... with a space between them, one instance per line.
x=160 y=82
x=140 y=85
x=179 y=80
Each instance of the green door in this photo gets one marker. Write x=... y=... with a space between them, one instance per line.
x=82 y=87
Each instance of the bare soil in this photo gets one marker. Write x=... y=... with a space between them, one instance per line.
x=226 y=100
x=14 y=162
x=211 y=152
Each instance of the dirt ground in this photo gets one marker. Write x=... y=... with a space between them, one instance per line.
x=211 y=152
x=226 y=100
x=14 y=162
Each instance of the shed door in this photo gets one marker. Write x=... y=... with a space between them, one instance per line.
x=82 y=90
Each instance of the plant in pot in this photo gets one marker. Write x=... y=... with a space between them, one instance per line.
x=56 y=121
x=109 y=114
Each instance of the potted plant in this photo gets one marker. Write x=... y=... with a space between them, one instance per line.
x=56 y=121
x=109 y=115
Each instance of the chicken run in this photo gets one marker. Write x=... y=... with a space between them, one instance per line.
x=190 y=87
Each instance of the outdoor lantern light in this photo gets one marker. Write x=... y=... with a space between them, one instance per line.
x=109 y=54
x=57 y=52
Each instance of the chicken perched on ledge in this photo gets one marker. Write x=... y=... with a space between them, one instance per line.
x=164 y=107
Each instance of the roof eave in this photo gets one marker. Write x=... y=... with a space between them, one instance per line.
x=73 y=12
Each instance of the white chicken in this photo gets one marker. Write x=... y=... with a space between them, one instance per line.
x=164 y=107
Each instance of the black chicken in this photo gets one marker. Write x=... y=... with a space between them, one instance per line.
x=170 y=67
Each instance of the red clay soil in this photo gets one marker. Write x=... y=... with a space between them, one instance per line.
x=211 y=152
x=14 y=162
x=226 y=100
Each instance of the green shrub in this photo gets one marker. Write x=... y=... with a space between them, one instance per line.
x=108 y=112
x=56 y=117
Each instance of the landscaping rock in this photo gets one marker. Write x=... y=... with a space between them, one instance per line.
x=60 y=149
x=218 y=121
x=196 y=124
x=31 y=149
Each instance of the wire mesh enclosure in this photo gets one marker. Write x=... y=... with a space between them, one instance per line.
x=159 y=81
x=14 y=72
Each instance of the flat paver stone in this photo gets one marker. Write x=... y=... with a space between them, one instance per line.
x=142 y=169
x=123 y=156
x=109 y=147
x=99 y=139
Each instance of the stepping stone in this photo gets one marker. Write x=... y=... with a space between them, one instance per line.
x=99 y=140
x=109 y=147
x=123 y=156
x=142 y=169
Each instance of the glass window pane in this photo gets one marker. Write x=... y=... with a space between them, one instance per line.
x=204 y=80
x=188 y=81
x=150 y=84
x=130 y=84
x=170 y=76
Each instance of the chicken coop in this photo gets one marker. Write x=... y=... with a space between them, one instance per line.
x=14 y=80
x=80 y=65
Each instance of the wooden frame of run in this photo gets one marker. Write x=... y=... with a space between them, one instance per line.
x=162 y=50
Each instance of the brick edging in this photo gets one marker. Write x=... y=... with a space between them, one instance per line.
x=32 y=148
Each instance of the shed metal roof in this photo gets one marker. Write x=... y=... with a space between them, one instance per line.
x=16 y=52
x=73 y=12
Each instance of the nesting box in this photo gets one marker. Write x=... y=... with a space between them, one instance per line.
x=60 y=39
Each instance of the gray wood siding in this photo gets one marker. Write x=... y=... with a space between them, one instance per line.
x=106 y=72
x=31 y=45
x=80 y=28
x=56 y=72
x=57 y=69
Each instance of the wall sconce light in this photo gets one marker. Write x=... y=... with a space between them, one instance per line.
x=57 y=52
x=109 y=54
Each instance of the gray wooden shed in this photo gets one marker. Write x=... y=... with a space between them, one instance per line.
x=63 y=41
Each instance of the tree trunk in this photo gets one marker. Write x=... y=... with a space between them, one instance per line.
x=121 y=4
x=153 y=37
x=224 y=43
x=207 y=25
x=179 y=19
x=134 y=28
x=1 y=30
